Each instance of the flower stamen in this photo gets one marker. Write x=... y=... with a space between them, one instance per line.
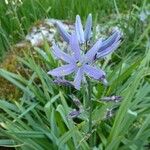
x=79 y=64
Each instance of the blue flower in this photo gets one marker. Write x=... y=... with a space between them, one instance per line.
x=77 y=62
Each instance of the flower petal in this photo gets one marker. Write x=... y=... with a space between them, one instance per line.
x=88 y=28
x=60 y=54
x=75 y=46
x=79 y=29
x=78 y=78
x=95 y=73
x=89 y=56
x=65 y=35
x=115 y=37
x=62 y=71
x=108 y=50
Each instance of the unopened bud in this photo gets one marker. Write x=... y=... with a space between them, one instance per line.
x=75 y=113
x=64 y=82
x=112 y=99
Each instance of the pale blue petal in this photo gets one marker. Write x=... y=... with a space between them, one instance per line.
x=89 y=56
x=78 y=78
x=108 y=50
x=79 y=29
x=88 y=28
x=65 y=35
x=93 y=72
x=115 y=37
x=74 y=44
x=60 y=54
x=62 y=71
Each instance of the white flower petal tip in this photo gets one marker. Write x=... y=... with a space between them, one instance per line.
x=105 y=82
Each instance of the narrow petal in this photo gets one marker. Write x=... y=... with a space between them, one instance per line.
x=108 y=50
x=78 y=78
x=79 y=29
x=60 y=54
x=65 y=35
x=95 y=73
x=88 y=28
x=89 y=56
x=75 y=46
x=62 y=71
x=115 y=37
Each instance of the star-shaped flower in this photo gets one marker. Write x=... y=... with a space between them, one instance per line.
x=77 y=62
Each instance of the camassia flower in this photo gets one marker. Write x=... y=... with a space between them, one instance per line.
x=78 y=62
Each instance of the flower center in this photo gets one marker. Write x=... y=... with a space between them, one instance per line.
x=79 y=64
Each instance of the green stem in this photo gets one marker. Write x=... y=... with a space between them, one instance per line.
x=90 y=105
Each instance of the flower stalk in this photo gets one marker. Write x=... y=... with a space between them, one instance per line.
x=90 y=105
